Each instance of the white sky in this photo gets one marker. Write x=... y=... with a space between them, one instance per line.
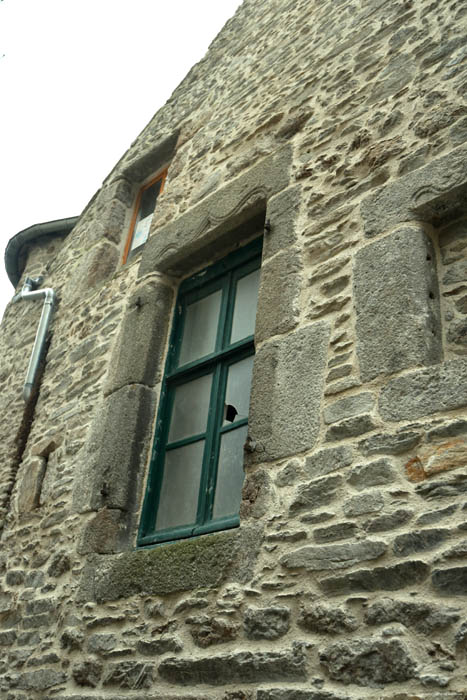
x=79 y=79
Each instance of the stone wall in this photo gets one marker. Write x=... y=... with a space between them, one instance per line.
x=343 y=125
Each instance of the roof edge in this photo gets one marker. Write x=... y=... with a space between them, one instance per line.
x=28 y=235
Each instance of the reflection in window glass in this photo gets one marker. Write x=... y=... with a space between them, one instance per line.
x=180 y=485
x=246 y=299
x=190 y=408
x=200 y=328
x=230 y=473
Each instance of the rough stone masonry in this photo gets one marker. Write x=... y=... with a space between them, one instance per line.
x=343 y=124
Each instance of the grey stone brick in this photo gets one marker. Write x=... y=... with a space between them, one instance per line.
x=326 y=620
x=389 y=521
x=316 y=494
x=267 y=623
x=380 y=578
x=425 y=391
x=378 y=473
x=340 y=531
x=395 y=280
x=389 y=443
x=419 y=541
x=180 y=566
x=417 y=194
x=278 y=387
x=351 y=427
x=282 y=211
x=450 y=581
x=328 y=460
x=129 y=674
x=349 y=406
x=116 y=450
x=423 y=617
x=369 y=502
x=278 y=301
x=237 y=667
x=333 y=556
x=138 y=352
x=41 y=679
x=368 y=662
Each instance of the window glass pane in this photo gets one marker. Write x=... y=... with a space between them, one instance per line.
x=141 y=231
x=230 y=473
x=145 y=214
x=246 y=299
x=178 y=500
x=237 y=395
x=200 y=330
x=190 y=408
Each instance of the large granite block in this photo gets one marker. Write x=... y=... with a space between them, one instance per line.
x=286 y=393
x=397 y=304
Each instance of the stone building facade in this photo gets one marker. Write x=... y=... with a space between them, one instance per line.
x=337 y=132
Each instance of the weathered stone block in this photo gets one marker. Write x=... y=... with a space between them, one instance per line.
x=369 y=662
x=328 y=460
x=267 y=623
x=419 y=541
x=389 y=443
x=316 y=494
x=395 y=280
x=326 y=620
x=369 y=502
x=87 y=673
x=282 y=211
x=349 y=407
x=30 y=484
x=451 y=487
x=288 y=373
x=40 y=680
x=333 y=556
x=450 y=581
x=389 y=521
x=116 y=450
x=129 y=674
x=138 y=352
x=180 y=566
x=423 y=617
x=207 y=631
x=378 y=473
x=340 y=531
x=426 y=194
x=380 y=578
x=156 y=647
x=425 y=391
x=278 y=301
x=435 y=516
x=237 y=667
x=351 y=427
x=282 y=694
x=218 y=220
x=103 y=533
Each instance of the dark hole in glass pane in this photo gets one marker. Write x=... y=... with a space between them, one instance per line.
x=230 y=413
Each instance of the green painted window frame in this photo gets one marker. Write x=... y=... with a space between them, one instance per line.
x=222 y=275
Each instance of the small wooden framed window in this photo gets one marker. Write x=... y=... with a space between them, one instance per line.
x=196 y=472
x=142 y=215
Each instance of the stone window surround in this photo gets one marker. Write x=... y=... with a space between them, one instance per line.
x=426 y=196
x=413 y=205
x=110 y=485
x=159 y=175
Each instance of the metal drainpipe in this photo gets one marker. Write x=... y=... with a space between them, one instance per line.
x=29 y=291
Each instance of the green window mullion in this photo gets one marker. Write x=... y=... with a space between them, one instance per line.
x=205 y=490
x=215 y=438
